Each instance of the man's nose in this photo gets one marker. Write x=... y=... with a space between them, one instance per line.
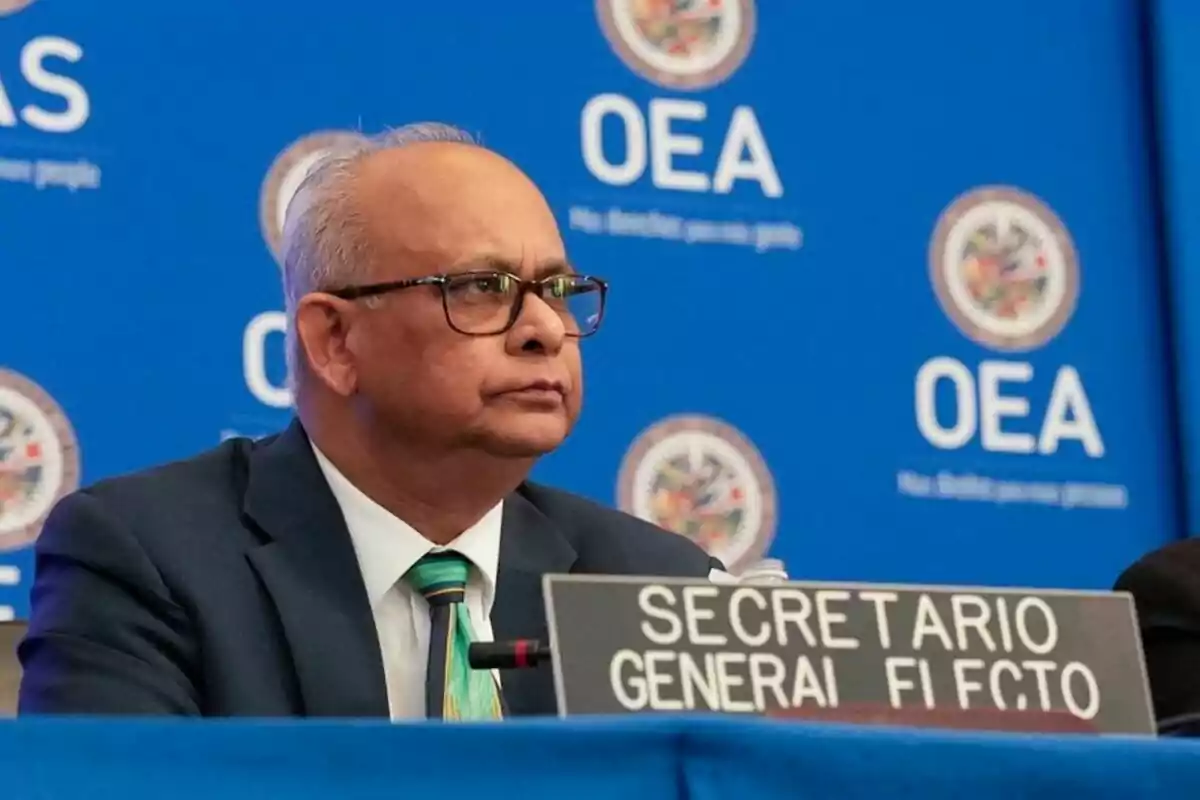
x=538 y=328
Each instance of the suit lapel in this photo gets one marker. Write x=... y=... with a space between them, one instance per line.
x=530 y=547
x=312 y=575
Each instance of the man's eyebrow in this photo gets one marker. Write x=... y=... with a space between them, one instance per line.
x=546 y=268
x=554 y=266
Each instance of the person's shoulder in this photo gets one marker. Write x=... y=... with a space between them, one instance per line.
x=214 y=473
x=204 y=490
x=609 y=540
x=173 y=513
x=1176 y=562
x=589 y=518
x=1166 y=582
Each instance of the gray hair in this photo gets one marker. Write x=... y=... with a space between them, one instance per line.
x=323 y=242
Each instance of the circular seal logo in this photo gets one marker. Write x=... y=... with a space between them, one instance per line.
x=679 y=44
x=284 y=177
x=1004 y=268
x=39 y=459
x=700 y=478
x=13 y=6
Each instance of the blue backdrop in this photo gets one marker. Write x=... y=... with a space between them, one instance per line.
x=1176 y=29
x=885 y=290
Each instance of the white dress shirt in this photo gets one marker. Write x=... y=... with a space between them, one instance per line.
x=387 y=548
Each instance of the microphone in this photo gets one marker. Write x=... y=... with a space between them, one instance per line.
x=517 y=654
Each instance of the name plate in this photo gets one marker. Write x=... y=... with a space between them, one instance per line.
x=846 y=651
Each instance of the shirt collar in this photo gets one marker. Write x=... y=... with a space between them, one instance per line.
x=387 y=547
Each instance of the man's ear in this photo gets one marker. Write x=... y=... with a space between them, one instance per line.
x=322 y=329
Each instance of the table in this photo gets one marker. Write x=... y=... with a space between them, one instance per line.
x=627 y=758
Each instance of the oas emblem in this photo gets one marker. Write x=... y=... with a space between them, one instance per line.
x=700 y=478
x=1004 y=268
x=679 y=44
x=284 y=177
x=39 y=459
x=13 y=6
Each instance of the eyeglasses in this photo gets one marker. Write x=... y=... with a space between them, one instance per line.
x=488 y=303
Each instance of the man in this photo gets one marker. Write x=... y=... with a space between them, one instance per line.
x=1166 y=589
x=340 y=568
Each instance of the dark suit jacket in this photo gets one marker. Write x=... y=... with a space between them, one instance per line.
x=228 y=585
x=1166 y=588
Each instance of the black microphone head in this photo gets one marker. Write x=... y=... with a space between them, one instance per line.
x=517 y=654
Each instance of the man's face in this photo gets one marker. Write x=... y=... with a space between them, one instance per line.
x=435 y=209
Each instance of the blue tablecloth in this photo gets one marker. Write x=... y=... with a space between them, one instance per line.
x=627 y=759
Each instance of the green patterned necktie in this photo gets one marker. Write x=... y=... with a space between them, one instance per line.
x=453 y=691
